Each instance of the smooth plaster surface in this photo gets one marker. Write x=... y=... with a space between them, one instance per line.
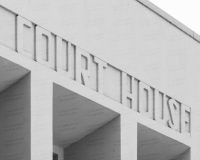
x=126 y=34
x=42 y=92
x=123 y=33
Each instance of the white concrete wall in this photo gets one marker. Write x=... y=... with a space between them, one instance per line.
x=124 y=33
x=129 y=35
x=15 y=136
x=41 y=118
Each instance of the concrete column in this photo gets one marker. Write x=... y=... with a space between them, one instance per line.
x=128 y=137
x=41 y=115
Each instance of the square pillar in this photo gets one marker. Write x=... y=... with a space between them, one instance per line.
x=128 y=137
x=41 y=115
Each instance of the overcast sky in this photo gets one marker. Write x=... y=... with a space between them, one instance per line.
x=185 y=11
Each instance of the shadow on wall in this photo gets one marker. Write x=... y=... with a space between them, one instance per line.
x=83 y=128
x=104 y=143
x=155 y=146
x=15 y=120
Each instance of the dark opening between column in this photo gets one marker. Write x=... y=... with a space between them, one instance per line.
x=55 y=156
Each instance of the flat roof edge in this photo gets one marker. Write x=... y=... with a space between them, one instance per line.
x=156 y=10
x=170 y=19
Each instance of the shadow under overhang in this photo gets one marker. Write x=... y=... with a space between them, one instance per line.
x=156 y=146
x=75 y=116
x=10 y=73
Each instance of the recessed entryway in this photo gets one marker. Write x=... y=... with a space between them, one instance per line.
x=76 y=117
x=155 y=146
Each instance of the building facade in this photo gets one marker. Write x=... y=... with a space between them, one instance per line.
x=97 y=80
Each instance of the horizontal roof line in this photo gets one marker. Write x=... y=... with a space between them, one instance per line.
x=170 y=19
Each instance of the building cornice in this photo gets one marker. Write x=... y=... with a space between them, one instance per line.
x=170 y=19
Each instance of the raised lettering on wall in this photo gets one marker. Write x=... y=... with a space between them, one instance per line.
x=83 y=72
x=144 y=108
x=172 y=122
x=63 y=58
x=44 y=53
x=58 y=54
x=21 y=23
x=159 y=108
x=127 y=96
x=101 y=66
